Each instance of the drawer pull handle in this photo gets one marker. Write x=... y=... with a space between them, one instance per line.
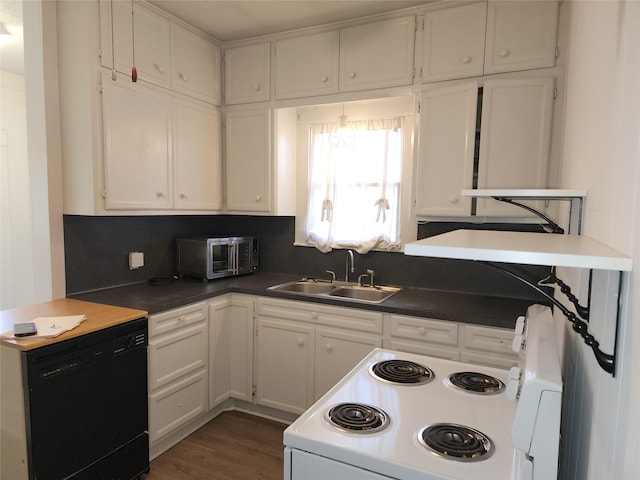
x=314 y=315
x=183 y=77
x=504 y=52
x=465 y=59
x=256 y=87
x=158 y=68
x=422 y=331
x=324 y=79
x=352 y=75
x=300 y=342
x=329 y=347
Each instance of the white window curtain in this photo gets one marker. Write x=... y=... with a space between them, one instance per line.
x=354 y=185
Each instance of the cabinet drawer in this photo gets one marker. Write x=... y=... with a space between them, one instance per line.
x=425 y=330
x=176 y=354
x=349 y=318
x=488 y=360
x=486 y=339
x=178 y=318
x=175 y=405
x=420 y=348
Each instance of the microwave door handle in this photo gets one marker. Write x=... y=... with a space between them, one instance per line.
x=232 y=258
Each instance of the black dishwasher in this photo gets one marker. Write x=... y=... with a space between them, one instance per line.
x=86 y=405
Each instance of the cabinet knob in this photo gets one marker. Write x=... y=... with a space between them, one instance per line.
x=258 y=198
x=352 y=75
x=504 y=52
x=183 y=196
x=160 y=194
x=256 y=86
x=300 y=342
x=329 y=347
x=183 y=77
x=314 y=315
x=181 y=319
x=465 y=59
x=158 y=67
x=324 y=79
x=422 y=331
x=453 y=199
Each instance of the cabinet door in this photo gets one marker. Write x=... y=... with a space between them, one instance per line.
x=284 y=363
x=454 y=42
x=248 y=160
x=377 y=55
x=219 y=351
x=515 y=138
x=299 y=74
x=137 y=161
x=241 y=338
x=520 y=35
x=247 y=74
x=195 y=65
x=197 y=156
x=152 y=46
x=447 y=137
x=336 y=353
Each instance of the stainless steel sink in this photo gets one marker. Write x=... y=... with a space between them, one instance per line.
x=365 y=294
x=338 y=290
x=308 y=287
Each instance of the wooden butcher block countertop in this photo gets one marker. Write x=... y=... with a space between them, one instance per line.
x=98 y=317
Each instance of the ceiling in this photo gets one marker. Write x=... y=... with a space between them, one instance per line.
x=11 y=56
x=229 y=20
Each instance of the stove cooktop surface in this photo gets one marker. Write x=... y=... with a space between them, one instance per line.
x=398 y=450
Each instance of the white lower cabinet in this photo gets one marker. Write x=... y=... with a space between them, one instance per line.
x=178 y=361
x=480 y=345
x=284 y=363
x=230 y=348
x=303 y=348
x=336 y=353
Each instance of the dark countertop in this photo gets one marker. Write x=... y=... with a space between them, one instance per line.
x=443 y=305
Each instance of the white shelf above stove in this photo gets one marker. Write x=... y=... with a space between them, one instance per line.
x=522 y=248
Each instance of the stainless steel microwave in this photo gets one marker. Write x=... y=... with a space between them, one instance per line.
x=210 y=258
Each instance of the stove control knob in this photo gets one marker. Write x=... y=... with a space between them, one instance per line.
x=514 y=373
x=519 y=325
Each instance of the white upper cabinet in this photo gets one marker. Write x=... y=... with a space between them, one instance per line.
x=137 y=149
x=248 y=160
x=165 y=53
x=151 y=48
x=520 y=35
x=247 y=73
x=197 y=156
x=515 y=138
x=447 y=137
x=454 y=42
x=307 y=65
x=377 y=55
x=196 y=65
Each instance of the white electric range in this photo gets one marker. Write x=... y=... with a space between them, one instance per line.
x=405 y=416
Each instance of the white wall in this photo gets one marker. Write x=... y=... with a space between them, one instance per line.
x=16 y=262
x=601 y=413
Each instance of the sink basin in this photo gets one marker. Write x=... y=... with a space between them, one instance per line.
x=337 y=290
x=365 y=294
x=305 y=286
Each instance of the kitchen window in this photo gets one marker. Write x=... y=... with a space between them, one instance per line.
x=357 y=163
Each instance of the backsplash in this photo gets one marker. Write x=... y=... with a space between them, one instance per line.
x=97 y=248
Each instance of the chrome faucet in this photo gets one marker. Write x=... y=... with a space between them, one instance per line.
x=350 y=265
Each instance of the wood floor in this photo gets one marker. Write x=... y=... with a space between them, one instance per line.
x=234 y=445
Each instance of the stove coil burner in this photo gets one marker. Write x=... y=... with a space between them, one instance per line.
x=402 y=371
x=456 y=442
x=475 y=382
x=357 y=417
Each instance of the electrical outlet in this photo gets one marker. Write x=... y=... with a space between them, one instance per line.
x=136 y=260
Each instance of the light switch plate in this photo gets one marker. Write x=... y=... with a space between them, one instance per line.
x=136 y=260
